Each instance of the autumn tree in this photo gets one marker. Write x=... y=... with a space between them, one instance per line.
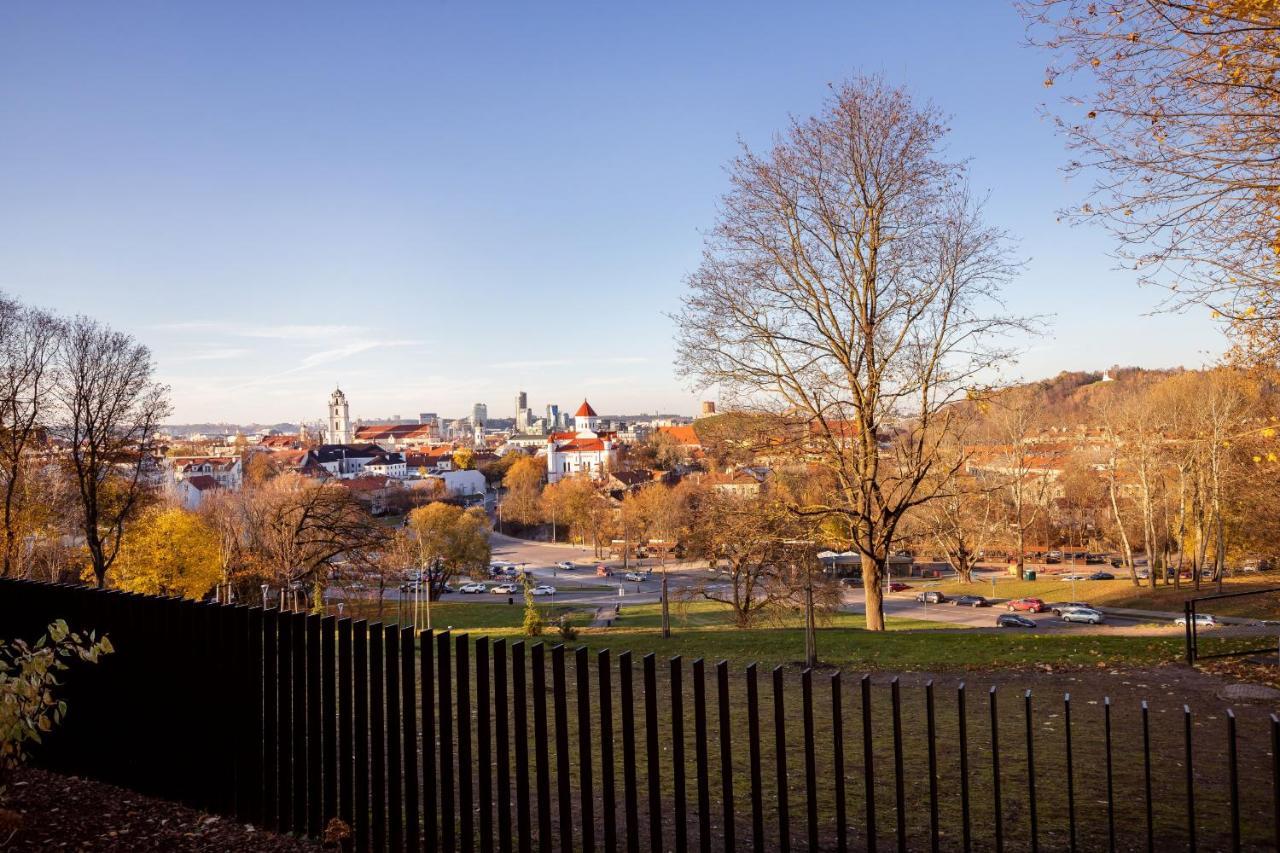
x=464 y=459
x=579 y=503
x=109 y=407
x=168 y=551
x=450 y=541
x=295 y=529
x=1175 y=117
x=29 y=340
x=523 y=484
x=850 y=287
x=1025 y=474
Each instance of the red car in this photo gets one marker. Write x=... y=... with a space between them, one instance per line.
x=1032 y=605
x=898 y=586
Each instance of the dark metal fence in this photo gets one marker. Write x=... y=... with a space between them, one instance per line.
x=294 y=722
x=1245 y=646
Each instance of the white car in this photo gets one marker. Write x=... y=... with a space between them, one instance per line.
x=1203 y=620
x=472 y=588
x=1087 y=615
x=635 y=576
x=544 y=589
x=566 y=565
x=504 y=589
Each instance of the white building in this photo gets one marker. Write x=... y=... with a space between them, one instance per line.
x=339 y=431
x=227 y=472
x=582 y=451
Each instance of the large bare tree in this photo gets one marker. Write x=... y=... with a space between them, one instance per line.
x=851 y=287
x=1173 y=112
x=29 y=340
x=109 y=409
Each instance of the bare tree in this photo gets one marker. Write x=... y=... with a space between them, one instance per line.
x=1177 y=119
x=29 y=341
x=109 y=409
x=851 y=287
x=1026 y=473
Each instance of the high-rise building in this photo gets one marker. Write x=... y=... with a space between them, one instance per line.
x=522 y=402
x=427 y=417
x=553 y=417
x=479 y=414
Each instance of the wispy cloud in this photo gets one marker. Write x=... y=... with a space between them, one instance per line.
x=547 y=362
x=288 y=332
x=213 y=354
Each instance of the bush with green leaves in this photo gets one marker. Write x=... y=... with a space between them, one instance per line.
x=533 y=623
x=28 y=682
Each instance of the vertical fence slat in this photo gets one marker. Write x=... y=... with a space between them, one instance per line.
x=503 y=738
x=608 y=793
x=484 y=745
x=837 y=762
x=395 y=781
x=284 y=724
x=377 y=737
x=931 y=738
x=315 y=740
x=466 y=808
x=680 y=795
x=586 y=790
x=780 y=760
x=257 y=675
x=564 y=786
x=810 y=758
x=700 y=751
x=998 y=807
x=1111 y=799
x=1189 y=777
x=346 y=725
x=430 y=779
x=444 y=681
x=1031 y=772
x=360 y=733
x=962 y=722
x=300 y=720
x=1146 y=778
x=329 y=725
x=899 y=790
x=409 y=719
x=541 y=750
x=629 y=752
x=1071 y=785
x=652 y=763
x=726 y=757
x=1233 y=779
x=521 y=736
x=868 y=764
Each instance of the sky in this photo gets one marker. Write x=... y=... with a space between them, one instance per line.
x=437 y=204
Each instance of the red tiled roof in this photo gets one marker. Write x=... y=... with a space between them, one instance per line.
x=580 y=445
x=685 y=435
x=585 y=411
x=203 y=482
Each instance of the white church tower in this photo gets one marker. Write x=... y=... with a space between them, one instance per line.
x=339 y=418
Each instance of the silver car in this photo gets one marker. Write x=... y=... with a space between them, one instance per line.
x=1087 y=615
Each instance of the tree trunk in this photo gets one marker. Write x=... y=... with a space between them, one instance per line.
x=873 y=574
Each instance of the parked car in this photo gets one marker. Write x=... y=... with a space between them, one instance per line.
x=931 y=596
x=636 y=576
x=1082 y=614
x=1142 y=574
x=566 y=565
x=898 y=586
x=1094 y=559
x=1073 y=577
x=505 y=589
x=1052 y=559
x=1034 y=605
x=604 y=572
x=1102 y=576
x=1203 y=620
x=1068 y=605
x=971 y=601
x=544 y=589
x=1013 y=620
x=472 y=588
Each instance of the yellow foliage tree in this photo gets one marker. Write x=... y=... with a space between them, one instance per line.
x=168 y=551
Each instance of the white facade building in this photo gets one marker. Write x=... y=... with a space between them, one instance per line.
x=339 y=419
x=582 y=451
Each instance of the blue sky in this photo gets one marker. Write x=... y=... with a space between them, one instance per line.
x=437 y=204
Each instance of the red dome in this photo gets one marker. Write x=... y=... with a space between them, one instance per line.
x=585 y=411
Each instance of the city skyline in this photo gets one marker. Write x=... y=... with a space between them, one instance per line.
x=476 y=200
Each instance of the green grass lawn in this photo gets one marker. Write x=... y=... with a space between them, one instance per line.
x=706 y=630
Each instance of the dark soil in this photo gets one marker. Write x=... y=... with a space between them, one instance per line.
x=46 y=811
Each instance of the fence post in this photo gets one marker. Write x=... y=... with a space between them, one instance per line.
x=484 y=757
x=504 y=750
x=676 y=685
x=541 y=752
x=608 y=794
x=409 y=717
x=963 y=723
x=360 y=732
x=564 y=787
x=466 y=810
x=377 y=737
x=868 y=763
x=1111 y=800
x=315 y=742
x=270 y=678
x=299 y=668
x=629 y=752
x=1233 y=779
x=726 y=755
x=586 y=791
x=810 y=758
x=995 y=770
x=521 y=738
x=395 y=784
x=1031 y=771
x=329 y=726
x=346 y=727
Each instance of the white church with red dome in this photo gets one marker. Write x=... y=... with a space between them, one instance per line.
x=585 y=450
